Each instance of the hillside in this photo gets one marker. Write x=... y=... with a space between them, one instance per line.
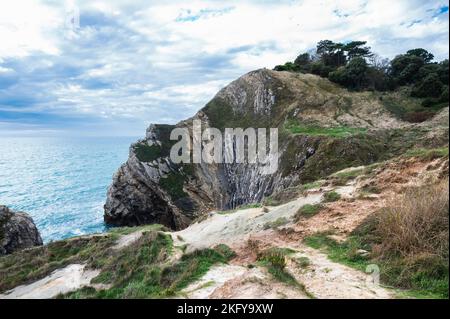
x=323 y=128
x=321 y=242
x=357 y=209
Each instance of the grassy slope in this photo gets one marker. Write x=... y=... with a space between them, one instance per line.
x=141 y=270
x=408 y=241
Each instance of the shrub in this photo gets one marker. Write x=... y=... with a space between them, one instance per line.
x=430 y=86
x=303 y=262
x=331 y=197
x=307 y=210
x=415 y=223
x=413 y=236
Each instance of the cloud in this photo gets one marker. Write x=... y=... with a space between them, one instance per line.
x=130 y=63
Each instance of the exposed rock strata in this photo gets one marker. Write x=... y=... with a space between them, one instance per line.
x=150 y=188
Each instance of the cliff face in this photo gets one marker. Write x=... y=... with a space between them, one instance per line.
x=322 y=129
x=17 y=231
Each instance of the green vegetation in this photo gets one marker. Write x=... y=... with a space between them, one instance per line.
x=285 y=195
x=149 y=153
x=405 y=107
x=331 y=197
x=303 y=262
x=142 y=270
x=355 y=67
x=307 y=211
x=29 y=265
x=428 y=154
x=355 y=150
x=173 y=185
x=276 y=223
x=408 y=240
x=275 y=261
x=343 y=177
x=128 y=230
x=344 y=253
x=295 y=128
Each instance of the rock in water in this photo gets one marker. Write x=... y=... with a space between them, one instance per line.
x=17 y=231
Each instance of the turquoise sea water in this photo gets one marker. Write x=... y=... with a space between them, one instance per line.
x=60 y=182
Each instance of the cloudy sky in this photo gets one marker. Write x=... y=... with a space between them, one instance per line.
x=131 y=63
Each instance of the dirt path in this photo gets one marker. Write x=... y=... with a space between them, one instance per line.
x=322 y=279
x=238 y=282
x=60 y=281
x=326 y=279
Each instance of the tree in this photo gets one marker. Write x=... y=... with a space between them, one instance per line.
x=353 y=76
x=379 y=62
x=303 y=59
x=331 y=54
x=319 y=68
x=357 y=72
x=357 y=49
x=443 y=71
x=404 y=68
x=288 y=66
x=430 y=86
x=426 y=56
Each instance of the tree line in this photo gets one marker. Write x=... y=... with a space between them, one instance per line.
x=354 y=66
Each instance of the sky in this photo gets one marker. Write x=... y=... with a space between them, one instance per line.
x=119 y=65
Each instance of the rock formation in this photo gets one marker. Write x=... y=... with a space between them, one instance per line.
x=150 y=188
x=17 y=231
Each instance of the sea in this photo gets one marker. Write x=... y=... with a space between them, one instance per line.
x=60 y=182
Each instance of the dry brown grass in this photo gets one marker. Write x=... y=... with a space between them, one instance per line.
x=416 y=222
x=412 y=240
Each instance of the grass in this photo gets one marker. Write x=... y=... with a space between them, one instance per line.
x=311 y=185
x=276 y=223
x=343 y=131
x=343 y=177
x=29 y=265
x=413 y=237
x=142 y=270
x=285 y=195
x=303 y=262
x=427 y=154
x=345 y=253
x=331 y=196
x=274 y=259
x=173 y=185
x=128 y=230
x=408 y=108
x=408 y=240
x=307 y=211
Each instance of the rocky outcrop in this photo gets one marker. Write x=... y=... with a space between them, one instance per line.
x=17 y=231
x=150 y=188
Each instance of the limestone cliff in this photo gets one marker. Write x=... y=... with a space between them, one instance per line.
x=322 y=128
